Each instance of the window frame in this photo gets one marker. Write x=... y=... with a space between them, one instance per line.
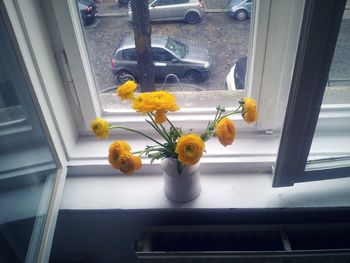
x=264 y=26
x=22 y=36
x=322 y=21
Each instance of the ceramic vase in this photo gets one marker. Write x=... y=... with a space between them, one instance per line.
x=182 y=187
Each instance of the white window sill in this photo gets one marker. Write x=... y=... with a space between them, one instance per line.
x=219 y=191
x=238 y=176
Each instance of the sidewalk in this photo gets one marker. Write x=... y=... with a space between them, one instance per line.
x=112 y=9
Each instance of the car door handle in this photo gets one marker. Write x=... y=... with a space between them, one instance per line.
x=159 y=64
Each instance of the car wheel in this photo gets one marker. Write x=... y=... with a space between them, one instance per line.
x=123 y=76
x=192 y=18
x=193 y=76
x=241 y=15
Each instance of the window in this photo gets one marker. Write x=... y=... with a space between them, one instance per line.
x=129 y=54
x=162 y=2
x=31 y=171
x=200 y=98
x=160 y=54
x=305 y=101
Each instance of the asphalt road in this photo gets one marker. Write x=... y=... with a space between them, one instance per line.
x=225 y=39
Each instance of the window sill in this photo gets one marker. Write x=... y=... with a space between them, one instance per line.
x=219 y=191
x=238 y=176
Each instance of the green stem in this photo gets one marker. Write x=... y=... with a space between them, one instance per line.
x=157 y=129
x=171 y=124
x=127 y=129
x=233 y=112
x=163 y=133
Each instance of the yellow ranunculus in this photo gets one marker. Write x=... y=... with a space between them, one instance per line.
x=160 y=116
x=190 y=148
x=126 y=91
x=143 y=103
x=225 y=130
x=165 y=101
x=100 y=128
x=249 y=112
x=152 y=101
x=116 y=149
x=129 y=163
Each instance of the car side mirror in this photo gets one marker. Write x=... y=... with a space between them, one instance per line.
x=174 y=60
x=152 y=5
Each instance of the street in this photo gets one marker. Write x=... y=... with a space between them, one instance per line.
x=225 y=39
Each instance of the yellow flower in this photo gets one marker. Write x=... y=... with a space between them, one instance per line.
x=225 y=130
x=152 y=101
x=190 y=148
x=165 y=101
x=249 y=112
x=100 y=128
x=129 y=163
x=116 y=149
x=160 y=116
x=126 y=91
x=143 y=103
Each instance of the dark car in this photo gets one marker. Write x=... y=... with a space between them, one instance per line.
x=88 y=11
x=235 y=79
x=170 y=56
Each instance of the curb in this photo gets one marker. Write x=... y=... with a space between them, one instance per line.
x=109 y=14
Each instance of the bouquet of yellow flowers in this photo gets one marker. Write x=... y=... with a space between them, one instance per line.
x=186 y=148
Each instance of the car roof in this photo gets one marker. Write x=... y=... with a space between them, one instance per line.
x=157 y=41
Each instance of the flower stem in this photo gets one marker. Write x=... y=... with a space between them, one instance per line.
x=132 y=130
x=171 y=124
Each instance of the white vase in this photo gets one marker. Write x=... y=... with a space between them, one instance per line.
x=182 y=187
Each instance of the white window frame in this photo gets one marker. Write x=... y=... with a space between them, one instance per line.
x=261 y=84
x=16 y=14
x=315 y=54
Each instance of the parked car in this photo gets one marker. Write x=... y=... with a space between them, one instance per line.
x=235 y=79
x=170 y=56
x=191 y=11
x=88 y=11
x=240 y=9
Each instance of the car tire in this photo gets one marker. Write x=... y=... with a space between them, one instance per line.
x=241 y=15
x=123 y=76
x=192 y=18
x=193 y=76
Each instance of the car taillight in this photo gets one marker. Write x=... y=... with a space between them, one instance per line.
x=201 y=3
x=89 y=9
x=114 y=63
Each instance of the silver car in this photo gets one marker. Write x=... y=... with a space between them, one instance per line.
x=191 y=11
x=240 y=9
x=169 y=55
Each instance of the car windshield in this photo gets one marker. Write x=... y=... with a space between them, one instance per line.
x=177 y=47
x=85 y=2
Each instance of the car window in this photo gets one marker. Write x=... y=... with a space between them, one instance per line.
x=160 y=54
x=177 y=2
x=163 y=2
x=180 y=49
x=85 y=2
x=129 y=54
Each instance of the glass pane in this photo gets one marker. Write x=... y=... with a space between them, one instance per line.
x=27 y=169
x=208 y=50
x=331 y=144
x=338 y=85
